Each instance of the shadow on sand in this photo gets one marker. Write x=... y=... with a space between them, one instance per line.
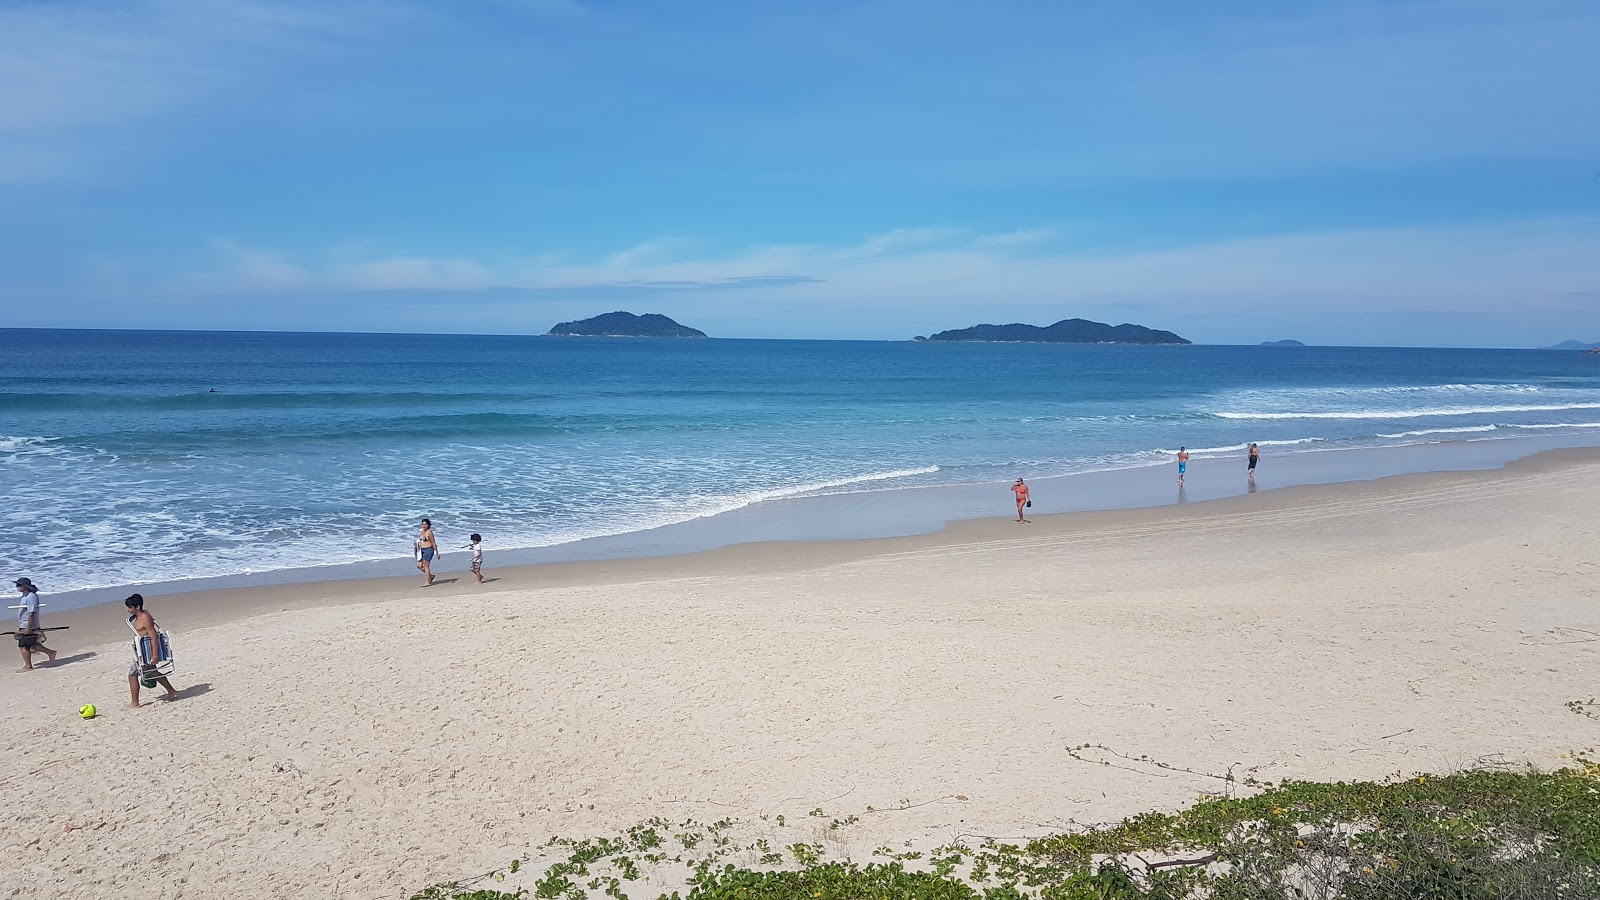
x=66 y=660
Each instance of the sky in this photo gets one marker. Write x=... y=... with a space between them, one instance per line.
x=1379 y=173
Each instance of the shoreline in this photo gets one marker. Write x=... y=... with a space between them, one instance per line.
x=903 y=512
x=209 y=606
x=129 y=472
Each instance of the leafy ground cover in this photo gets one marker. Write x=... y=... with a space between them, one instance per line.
x=1483 y=834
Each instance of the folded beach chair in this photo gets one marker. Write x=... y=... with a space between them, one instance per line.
x=153 y=663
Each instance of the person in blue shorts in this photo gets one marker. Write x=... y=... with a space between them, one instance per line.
x=427 y=548
x=1183 y=463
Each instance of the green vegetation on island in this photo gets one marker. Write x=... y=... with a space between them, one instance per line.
x=626 y=324
x=1066 y=331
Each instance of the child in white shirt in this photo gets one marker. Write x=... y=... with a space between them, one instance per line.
x=477 y=556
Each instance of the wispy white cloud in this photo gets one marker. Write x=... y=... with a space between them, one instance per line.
x=413 y=273
x=1535 y=267
x=72 y=70
x=1022 y=237
x=1357 y=85
x=901 y=240
x=891 y=91
x=649 y=252
x=667 y=261
x=262 y=269
x=542 y=9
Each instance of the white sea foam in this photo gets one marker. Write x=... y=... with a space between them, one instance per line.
x=1414 y=413
x=1243 y=445
x=295 y=543
x=832 y=488
x=1481 y=429
x=1424 y=432
x=1431 y=388
x=1395 y=401
x=1390 y=390
x=21 y=444
x=675 y=511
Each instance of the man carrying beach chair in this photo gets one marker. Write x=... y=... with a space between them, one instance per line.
x=152 y=653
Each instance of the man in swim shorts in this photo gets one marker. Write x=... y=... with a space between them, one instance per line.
x=1183 y=463
x=143 y=667
x=1255 y=457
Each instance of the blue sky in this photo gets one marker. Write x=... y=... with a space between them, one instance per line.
x=1355 y=173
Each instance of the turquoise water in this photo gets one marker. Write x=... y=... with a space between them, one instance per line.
x=120 y=466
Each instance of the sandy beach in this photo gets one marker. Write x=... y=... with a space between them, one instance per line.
x=360 y=739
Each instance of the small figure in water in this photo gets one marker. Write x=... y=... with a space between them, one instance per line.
x=1183 y=463
x=1255 y=457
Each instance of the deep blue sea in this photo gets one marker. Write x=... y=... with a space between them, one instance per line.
x=119 y=465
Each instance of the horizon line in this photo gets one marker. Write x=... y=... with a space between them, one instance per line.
x=909 y=340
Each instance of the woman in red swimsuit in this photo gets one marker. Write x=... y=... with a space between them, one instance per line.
x=1021 y=490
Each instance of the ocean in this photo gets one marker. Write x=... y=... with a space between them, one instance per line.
x=121 y=466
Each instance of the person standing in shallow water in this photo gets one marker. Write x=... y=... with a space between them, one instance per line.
x=1255 y=457
x=427 y=548
x=1021 y=490
x=1183 y=463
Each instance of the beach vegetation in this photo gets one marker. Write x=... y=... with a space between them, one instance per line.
x=1482 y=834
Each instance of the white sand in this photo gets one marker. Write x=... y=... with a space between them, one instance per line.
x=363 y=750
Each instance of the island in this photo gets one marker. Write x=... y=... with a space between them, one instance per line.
x=626 y=324
x=1585 y=346
x=1066 y=331
x=1289 y=343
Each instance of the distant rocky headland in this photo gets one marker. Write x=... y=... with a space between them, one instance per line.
x=1289 y=343
x=1066 y=331
x=626 y=324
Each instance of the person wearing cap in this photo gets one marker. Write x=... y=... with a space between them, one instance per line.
x=30 y=631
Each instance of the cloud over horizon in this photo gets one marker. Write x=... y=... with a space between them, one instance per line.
x=891 y=285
